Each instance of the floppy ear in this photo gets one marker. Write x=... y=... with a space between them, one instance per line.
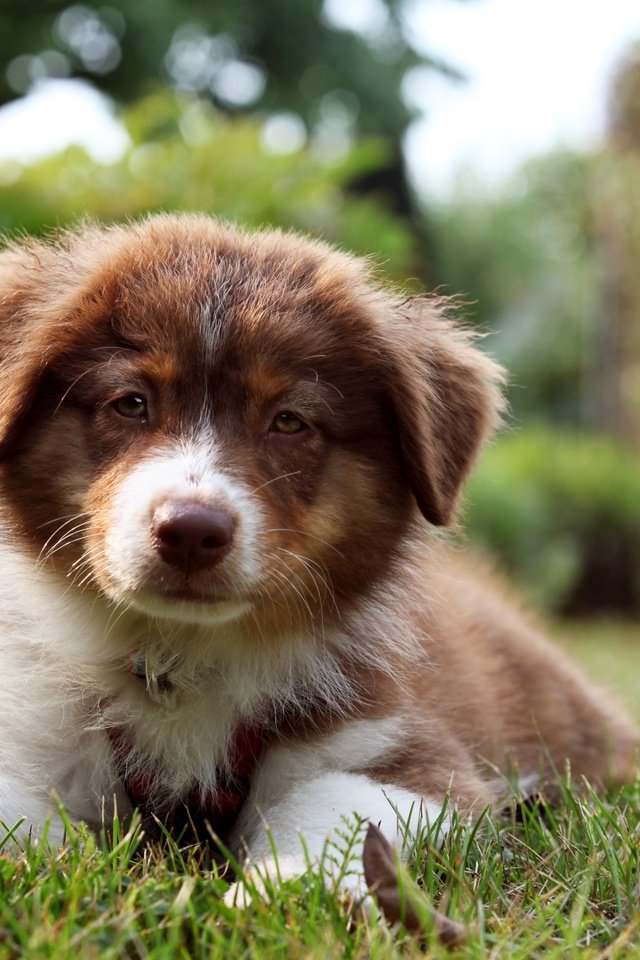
x=447 y=399
x=20 y=376
x=24 y=349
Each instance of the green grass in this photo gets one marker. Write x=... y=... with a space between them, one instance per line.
x=561 y=882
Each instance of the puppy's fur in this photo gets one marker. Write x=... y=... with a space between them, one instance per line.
x=259 y=398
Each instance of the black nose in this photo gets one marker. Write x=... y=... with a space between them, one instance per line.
x=190 y=535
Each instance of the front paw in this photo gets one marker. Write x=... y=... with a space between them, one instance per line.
x=261 y=882
x=239 y=895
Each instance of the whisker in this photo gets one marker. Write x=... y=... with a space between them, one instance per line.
x=298 y=586
x=316 y=571
x=64 y=396
x=74 y=535
x=118 y=612
x=283 y=476
x=65 y=516
x=285 y=600
x=70 y=539
x=288 y=600
x=304 y=533
x=295 y=556
x=60 y=528
x=254 y=617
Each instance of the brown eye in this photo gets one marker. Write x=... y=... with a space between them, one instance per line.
x=286 y=422
x=131 y=406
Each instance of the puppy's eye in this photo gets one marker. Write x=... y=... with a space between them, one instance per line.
x=287 y=422
x=131 y=406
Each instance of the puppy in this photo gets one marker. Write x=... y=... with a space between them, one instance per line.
x=223 y=598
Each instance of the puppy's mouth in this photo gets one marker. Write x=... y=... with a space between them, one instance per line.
x=189 y=605
x=191 y=595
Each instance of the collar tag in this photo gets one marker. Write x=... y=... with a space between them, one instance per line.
x=158 y=685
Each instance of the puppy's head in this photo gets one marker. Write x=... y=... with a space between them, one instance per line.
x=204 y=424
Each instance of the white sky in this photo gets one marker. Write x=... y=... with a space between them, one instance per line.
x=538 y=73
x=55 y=114
x=537 y=78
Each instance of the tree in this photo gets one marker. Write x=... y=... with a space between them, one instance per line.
x=617 y=354
x=525 y=261
x=185 y=155
x=275 y=55
x=266 y=56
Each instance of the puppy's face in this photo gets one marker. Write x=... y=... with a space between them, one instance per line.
x=206 y=425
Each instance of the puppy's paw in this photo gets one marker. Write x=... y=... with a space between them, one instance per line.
x=259 y=880
x=238 y=895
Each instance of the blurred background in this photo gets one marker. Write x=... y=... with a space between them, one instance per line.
x=489 y=148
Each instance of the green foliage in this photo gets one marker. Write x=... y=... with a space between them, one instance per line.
x=280 y=55
x=561 y=512
x=186 y=156
x=554 y=882
x=525 y=260
x=288 y=60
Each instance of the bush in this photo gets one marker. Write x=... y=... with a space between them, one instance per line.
x=561 y=511
x=185 y=156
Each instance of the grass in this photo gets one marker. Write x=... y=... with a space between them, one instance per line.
x=552 y=883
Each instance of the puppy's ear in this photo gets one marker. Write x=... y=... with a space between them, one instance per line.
x=48 y=290
x=447 y=398
x=20 y=377
x=24 y=350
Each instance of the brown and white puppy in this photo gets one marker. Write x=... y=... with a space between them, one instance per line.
x=221 y=593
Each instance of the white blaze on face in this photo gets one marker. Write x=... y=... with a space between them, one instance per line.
x=135 y=571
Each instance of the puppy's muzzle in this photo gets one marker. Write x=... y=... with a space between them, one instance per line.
x=191 y=535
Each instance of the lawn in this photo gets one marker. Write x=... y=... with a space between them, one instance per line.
x=550 y=883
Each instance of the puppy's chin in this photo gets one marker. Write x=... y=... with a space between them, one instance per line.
x=187 y=611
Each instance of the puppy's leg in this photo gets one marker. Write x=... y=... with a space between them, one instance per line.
x=82 y=782
x=24 y=813
x=323 y=821
x=301 y=808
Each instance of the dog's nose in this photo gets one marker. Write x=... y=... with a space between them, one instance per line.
x=190 y=535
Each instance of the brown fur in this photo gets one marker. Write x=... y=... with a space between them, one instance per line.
x=400 y=402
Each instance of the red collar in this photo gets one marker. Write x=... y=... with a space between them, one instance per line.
x=200 y=811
